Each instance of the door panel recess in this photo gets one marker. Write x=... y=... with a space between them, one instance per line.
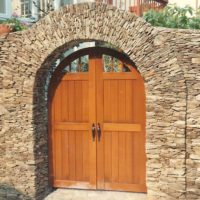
x=97 y=123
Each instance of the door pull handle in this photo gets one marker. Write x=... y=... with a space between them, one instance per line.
x=93 y=132
x=99 y=131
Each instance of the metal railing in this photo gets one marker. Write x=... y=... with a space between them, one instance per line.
x=137 y=6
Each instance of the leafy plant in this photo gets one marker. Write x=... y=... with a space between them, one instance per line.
x=173 y=16
x=15 y=23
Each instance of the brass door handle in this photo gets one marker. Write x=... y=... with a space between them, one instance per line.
x=99 y=131
x=93 y=131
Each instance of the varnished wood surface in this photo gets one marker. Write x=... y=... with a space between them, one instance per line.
x=115 y=101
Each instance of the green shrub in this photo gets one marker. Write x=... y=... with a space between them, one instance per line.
x=173 y=16
x=15 y=24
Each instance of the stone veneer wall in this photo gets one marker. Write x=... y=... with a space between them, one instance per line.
x=188 y=48
x=168 y=60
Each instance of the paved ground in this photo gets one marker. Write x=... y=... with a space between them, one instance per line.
x=68 y=194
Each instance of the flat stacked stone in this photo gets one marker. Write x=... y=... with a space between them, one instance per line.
x=168 y=60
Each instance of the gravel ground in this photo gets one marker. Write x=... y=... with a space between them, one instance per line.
x=69 y=194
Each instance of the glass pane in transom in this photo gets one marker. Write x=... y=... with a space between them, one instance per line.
x=112 y=64
x=78 y=65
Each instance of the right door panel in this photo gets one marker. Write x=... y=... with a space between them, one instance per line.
x=121 y=115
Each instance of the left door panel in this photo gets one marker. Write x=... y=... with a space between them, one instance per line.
x=72 y=143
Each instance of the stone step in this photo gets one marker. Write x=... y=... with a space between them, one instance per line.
x=74 y=194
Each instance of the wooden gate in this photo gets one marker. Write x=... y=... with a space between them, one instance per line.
x=97 y=122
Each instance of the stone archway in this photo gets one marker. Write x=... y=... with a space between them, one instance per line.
x=97 y=122
x=27 y=59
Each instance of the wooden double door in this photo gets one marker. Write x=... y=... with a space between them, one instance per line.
x=97 y=123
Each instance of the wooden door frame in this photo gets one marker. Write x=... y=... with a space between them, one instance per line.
x=57 y=76
x=89 y=51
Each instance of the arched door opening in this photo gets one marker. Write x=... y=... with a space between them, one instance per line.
x=97 y=122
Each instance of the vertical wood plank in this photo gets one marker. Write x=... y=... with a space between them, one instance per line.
x=122 y=101
x=108 y=156
x=86 y=167
x=115 y=135
x=57 y=100
x=79 y=156
x=107 y=135
x=78 y=101
x=129 y=101
x=64 y=101
x=129 y=138
x=122 y=157
x=100 y=105
x=107 y=101
x=137 y=137
x=136 y=158
x=122 y=135
x=58 y=155
x=114 y=101
x=129 y=157
x=72 y=142
x=115 y=156
x=85 y=101
x=79 y=142
x=72 y=156
x=92 y=119
x=85 y=134
x=65 y=155
x=71 y=101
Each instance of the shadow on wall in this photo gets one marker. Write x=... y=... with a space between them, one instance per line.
x=8 y=192
x=40 y=119
x=40 y=116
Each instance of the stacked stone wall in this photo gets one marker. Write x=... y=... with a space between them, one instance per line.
x=167 y=59
x=188 y=48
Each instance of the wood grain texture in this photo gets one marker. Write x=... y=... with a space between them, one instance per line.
x=116 y=102
x=123 y=125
